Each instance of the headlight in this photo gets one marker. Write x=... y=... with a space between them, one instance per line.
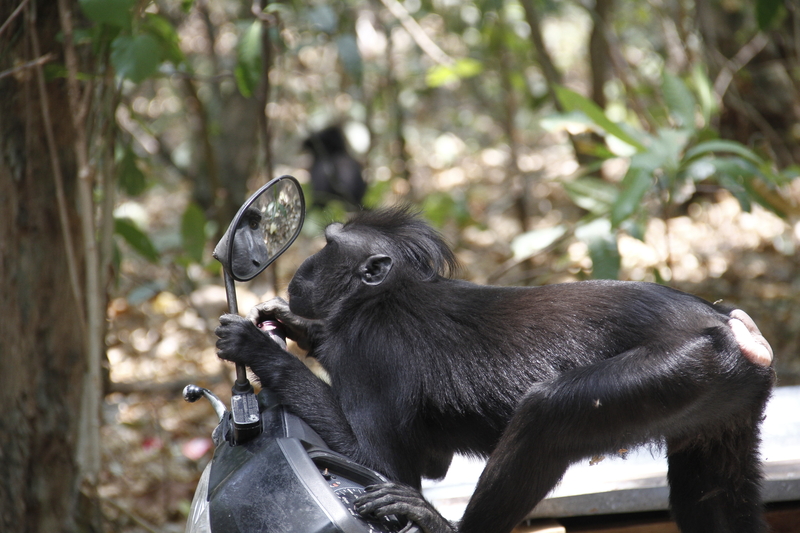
x=199 y=520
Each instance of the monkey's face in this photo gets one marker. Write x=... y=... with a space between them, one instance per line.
x=307 y=288
x=343 y=271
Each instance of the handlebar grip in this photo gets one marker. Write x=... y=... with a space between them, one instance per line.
x=275 y=330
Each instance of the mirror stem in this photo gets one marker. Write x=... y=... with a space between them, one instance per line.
x=245 y=413
x=242 y=384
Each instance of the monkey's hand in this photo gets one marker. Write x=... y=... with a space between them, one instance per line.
x=301 y=330
x=403 y=501
x=240 y=341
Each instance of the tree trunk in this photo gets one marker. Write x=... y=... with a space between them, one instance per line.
x=42 y=337
x=598 y=50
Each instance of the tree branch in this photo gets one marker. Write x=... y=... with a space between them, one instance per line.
x=58 y=177
x=745 y=54
x=551 y=74
x=13 y=15
x=88 y=452
x=417 y=33
x=264 y=88
x=30 y=64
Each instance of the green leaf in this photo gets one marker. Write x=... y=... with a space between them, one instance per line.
x=700 y=169
x=737 y=190
x=376 y=194
x=593 y=194
x=635 y=184
x=765 y=201
x=530 y=243
x=705 y=93
x=636 y=226
x=565 y=121
x=279 y=8
x=248 y=60
x=602 y=242
x=735 y=174
x=440 y=207
x=135 y=57
x=131 y=179
x=731 y=173
x=439 y=75
x=193 y=234
x=163 y=30
x=767 y=13
x=572 y=101
x=679 y=99
x=136 y=238
x=114 y=12
x=722 y=146
x=664 y=151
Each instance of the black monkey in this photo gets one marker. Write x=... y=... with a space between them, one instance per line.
x=334 y=172
x=423 y=366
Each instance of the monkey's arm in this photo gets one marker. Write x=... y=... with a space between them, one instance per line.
x=307 y=396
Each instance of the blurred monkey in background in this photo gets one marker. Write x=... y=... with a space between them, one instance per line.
x=335 y=174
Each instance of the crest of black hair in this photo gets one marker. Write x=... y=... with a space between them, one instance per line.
x=408 y=237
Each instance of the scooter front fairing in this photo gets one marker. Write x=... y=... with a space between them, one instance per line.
x=285 y=480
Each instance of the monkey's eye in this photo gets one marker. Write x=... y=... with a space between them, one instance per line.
x=253 y=220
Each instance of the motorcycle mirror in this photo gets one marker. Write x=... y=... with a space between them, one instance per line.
x=265 y=226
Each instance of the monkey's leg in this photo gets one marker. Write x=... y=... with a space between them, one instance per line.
x=714 y=483
x=651 y=392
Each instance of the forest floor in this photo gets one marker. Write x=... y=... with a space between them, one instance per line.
x=155 y=445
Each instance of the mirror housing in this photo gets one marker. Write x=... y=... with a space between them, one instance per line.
x=263 y=228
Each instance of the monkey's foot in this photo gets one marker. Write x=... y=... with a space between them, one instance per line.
x=401 y=500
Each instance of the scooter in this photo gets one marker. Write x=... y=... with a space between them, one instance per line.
x=270 y=471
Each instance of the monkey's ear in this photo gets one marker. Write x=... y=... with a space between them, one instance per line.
x=375 y=269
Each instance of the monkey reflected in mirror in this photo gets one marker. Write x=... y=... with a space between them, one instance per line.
x=335 y=174
x=534 y=378
x=250 y=252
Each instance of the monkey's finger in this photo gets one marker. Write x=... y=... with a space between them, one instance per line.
x=388 y=489
x=223 y=351
x=229 y=318
x=385 y=503
x=226 y=323
x=221 y=332
x=388 y=506
x=389 y=486
x=417 y=511
x=411 y=527
x=267 y=310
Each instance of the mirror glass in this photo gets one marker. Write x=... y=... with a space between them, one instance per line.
x=265 y=226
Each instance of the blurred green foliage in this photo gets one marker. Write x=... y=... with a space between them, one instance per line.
x=450 y=101
x=663 y=168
